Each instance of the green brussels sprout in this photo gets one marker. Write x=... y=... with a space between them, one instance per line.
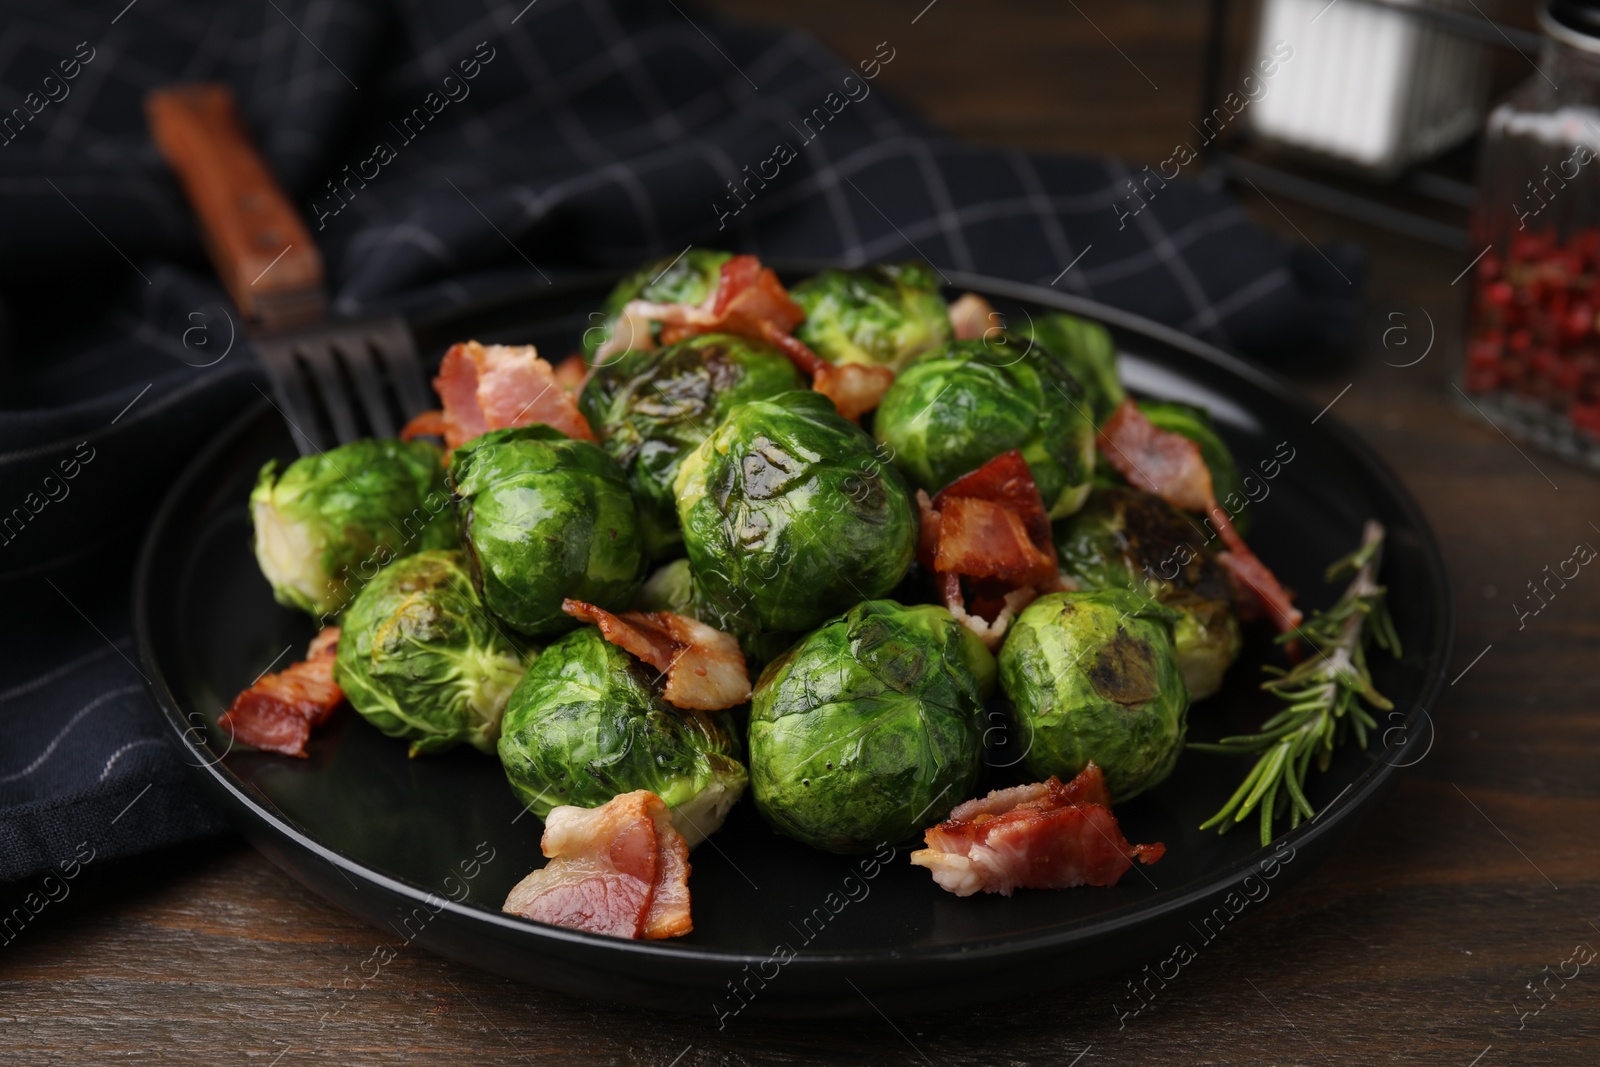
x=871 y=728
x=1126 y=539
x=670 y=587
x=1195 y=424
x=957 y=408
x=325 y=521
x=689 y=279
x=588 y=722
x=1094 y=676
x=883 y=315
x=419 y=656
x=1088 y=353
x=651 y=408
x=788 y=517
x=545 y=518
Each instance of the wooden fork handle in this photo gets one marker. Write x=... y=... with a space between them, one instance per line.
x=260 y=248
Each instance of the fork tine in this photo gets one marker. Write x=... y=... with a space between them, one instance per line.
x=316 y=354
x=289 y=387
x=397 y=355
x=353 y=350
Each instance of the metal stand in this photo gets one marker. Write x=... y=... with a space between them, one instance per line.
x=1427 y=202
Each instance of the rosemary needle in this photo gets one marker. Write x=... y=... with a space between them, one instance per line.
x=1327 y=698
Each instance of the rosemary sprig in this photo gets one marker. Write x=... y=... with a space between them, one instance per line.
x=1328 y=698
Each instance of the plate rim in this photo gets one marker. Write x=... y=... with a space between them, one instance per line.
x=1334 y=820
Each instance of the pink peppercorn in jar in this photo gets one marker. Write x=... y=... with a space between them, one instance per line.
x=1533 y=339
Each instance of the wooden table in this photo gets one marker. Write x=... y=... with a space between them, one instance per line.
x=1415 y=943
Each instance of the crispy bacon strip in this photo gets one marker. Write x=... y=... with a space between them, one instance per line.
x=1041 y=836
x=619 y=869
x=971 y=316
x=705 y=669
x=491 y=387
x=279 y=711
x=1156 y=460
x=854 y=389
x=990 y=527
x=1171 y=466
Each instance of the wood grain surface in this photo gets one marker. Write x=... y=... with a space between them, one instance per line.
x=1416 y=943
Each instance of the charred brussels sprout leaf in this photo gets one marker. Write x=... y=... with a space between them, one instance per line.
x=1094 y=676
x=588 y=722
x=652 y=408
x=420 y=658
x=689 y=279
x=1088 y=352
x=788 y=516
x=955 y=409
x=883 y=315
x=545 y=518
x=328 y=522
x=1129 y=540
x=1195 y=424
x=870 y=729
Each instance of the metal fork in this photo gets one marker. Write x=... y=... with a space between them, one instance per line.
x=334 y=382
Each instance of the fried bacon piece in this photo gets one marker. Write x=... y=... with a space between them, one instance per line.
x=854 y=389
x=971 y=316
x=705 y=669
x=1170 y=465
x=990 y=527
x=620 y=869
x=1041 y=836
x=491 y=387
x=279 y=711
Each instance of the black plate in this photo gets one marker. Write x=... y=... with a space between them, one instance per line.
x=426 y=849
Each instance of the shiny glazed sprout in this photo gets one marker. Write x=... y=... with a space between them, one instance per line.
x=870 y=729
x=588 y=722
x=652 y=408
x=1094 y=676
x=1130 y=540
x=545 y=518
x=420 y=658
x=326 y=523
x=883 y=315
x=789 y=517
x=956 y=408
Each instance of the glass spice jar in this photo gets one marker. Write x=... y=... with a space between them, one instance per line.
x=1533 y=337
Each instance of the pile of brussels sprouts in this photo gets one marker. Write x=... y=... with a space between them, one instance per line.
x=722 y=488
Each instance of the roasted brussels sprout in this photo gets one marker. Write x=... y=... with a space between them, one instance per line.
x=882 y=315
x=328 y=522
x=957 y=408
x=689 y=279
x=1195 y=424
x=871 y=728
x=545 y=518
x=1094 y=676
x=1127 y=539
x=1088 y=352
x=588 y=722
x=788 y=517
x=652 y=408
x=419 y=656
